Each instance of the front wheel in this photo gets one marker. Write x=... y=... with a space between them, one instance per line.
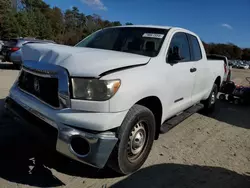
x=136 y=137
x=209 y=104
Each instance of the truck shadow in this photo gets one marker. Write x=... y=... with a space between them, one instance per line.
x=234 y=114
x=24 y=159
x=182 y=176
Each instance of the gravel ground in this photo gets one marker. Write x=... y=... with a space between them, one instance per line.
x=200 y=152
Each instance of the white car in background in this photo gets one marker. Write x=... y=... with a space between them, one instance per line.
x=248 y=63
x=243 y=65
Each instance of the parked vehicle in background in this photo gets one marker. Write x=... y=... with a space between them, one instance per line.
x=234 y=64
x=106 y=100
x=248 y=63
x=12 y=49
x=227 y=66
x=239 y=64
x=231 y=62
x=242 y=65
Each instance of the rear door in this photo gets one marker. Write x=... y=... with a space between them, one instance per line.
x=181 y=74
x=202 y=78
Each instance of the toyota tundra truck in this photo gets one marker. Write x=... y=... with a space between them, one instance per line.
x=105 y=100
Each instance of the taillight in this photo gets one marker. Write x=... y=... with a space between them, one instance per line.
x=225 y=68
x=14 y=49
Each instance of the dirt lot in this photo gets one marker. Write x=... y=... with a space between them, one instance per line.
x=200 y=152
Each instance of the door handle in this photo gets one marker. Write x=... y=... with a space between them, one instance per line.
x=193 y=69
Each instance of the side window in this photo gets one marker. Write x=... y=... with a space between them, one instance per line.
x=195 y=48
x=179 y=48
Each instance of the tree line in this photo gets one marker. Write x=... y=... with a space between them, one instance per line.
x=35 y=18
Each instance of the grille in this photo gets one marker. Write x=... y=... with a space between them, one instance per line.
x=46 y=89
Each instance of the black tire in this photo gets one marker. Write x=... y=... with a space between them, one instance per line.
x=231 y=98
x=237 y=101
x=209 y=104
x=222 y=97
x=120 y=159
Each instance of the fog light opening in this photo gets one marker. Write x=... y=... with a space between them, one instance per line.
x=79 y=146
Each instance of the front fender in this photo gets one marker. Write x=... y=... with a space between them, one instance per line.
x=136 y=84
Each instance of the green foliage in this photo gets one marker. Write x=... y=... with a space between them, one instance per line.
x=7 y=19
x=246 y=54
x=117 y=23
x=230 y=50
x=35 y=18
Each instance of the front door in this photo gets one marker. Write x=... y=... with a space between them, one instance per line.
x=181 y=74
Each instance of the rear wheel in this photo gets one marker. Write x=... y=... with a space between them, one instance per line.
x=136 y=137
x=209 y=104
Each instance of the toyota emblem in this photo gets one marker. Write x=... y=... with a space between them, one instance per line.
x=36 y=85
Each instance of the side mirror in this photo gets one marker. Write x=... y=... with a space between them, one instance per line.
x=173 y=58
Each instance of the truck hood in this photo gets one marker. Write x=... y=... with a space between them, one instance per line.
x=82 y=62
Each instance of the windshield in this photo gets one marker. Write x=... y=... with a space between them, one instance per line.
x=142 y=41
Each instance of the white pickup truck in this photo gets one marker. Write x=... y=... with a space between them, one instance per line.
x=107 y=99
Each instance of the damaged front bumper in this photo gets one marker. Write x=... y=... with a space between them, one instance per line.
x=90 y=148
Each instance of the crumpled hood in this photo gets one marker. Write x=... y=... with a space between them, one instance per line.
x=82 y=62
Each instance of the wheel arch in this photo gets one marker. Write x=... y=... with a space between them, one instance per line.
x=154 y=104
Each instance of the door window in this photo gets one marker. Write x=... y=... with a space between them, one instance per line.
x=179 y=48
x=195 y=48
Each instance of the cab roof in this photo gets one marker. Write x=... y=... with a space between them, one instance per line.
x=148 y=26
x=157 y=27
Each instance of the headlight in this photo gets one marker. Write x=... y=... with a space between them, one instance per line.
x=94 y=89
